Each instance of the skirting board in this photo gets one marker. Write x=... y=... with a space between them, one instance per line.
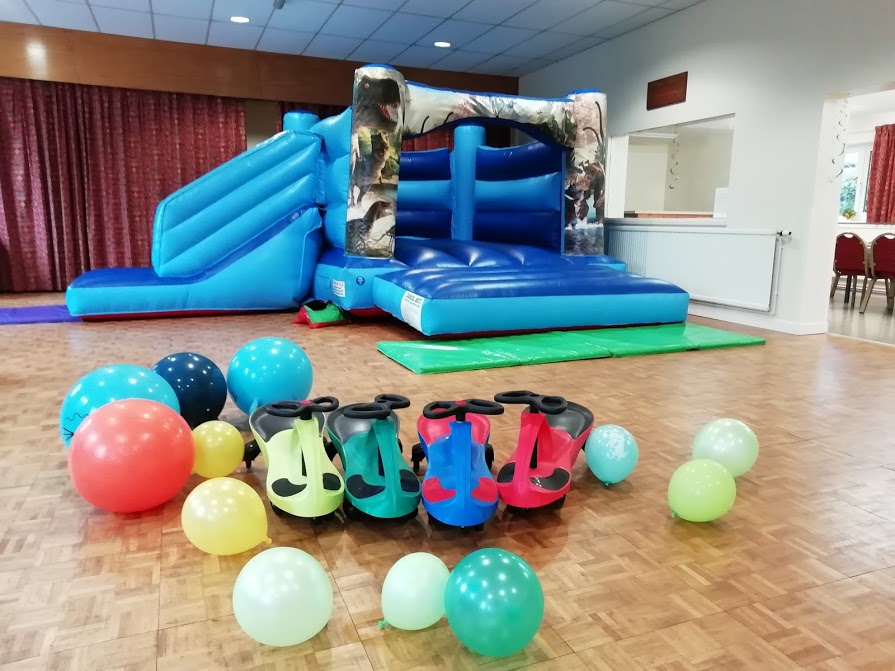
x=757 y=320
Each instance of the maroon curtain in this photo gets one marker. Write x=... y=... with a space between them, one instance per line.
x=437 y=139
x=881 y=193
x=85 y=167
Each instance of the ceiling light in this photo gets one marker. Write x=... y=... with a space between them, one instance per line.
x=443 y=45
x=239 y=19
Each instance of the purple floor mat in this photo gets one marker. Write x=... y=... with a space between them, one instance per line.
x=36 y=314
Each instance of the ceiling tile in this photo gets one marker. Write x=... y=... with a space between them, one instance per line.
x=133 y=5
x=679 y=4
x=499 y=65
x=306 y=16
x=580 y=45
x=16 y=11
x=642 y=19
x=419 y=56
x=234 y=35
x=332 y=46
x=256 y=11
x=123 y=22
x=434 y=7
x=531 y=66
x=500 y=39
x=180 y=29
x=58 y=14
x=376 y=51
x=546 y=13
x=354 y=21
x=390 y=5
x=405 y=27
x=284 y=41
x=542 y=44
x=461 y=60
x=492 y=11
x=456 y=32
x=194 y=9
x=599 y=17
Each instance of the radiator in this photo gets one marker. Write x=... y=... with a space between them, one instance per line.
x=721 y=266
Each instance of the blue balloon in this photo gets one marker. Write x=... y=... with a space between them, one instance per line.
x=107 y=384
x=611 y=453
x=268 y=370
x=199 y=384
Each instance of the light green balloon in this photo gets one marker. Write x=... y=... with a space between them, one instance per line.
x=729 y=442
x=413 y=591
x=282 y=597
x=701 y=491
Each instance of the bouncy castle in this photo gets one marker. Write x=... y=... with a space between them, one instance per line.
x=470 y=240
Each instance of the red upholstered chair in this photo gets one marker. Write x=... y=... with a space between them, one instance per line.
x=850 y=259
x=881 y=266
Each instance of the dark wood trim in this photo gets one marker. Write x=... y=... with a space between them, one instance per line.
x=53 y=54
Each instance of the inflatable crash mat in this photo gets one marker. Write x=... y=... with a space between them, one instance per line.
x=446 y=356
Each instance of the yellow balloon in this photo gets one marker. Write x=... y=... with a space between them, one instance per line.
x=224 y=516
x=219 y=449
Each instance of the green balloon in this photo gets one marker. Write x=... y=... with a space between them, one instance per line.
x=494 y=602
x=701 y=491
x=413 y=591
x=729 y=442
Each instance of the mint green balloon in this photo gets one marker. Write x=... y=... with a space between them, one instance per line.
x=413 y=591
x=282 y=597
x=701 y=491
x=494 y=602
x=729 y=442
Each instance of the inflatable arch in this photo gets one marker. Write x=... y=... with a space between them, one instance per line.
x=386 y=109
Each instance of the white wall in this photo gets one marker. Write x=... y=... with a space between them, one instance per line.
x=647 y=169
x=862 y=127
x=703 y=165
x=779 y=67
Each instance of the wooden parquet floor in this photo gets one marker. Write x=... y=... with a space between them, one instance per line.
x=799 y=575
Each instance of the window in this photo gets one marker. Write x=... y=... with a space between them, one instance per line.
x=855 y=182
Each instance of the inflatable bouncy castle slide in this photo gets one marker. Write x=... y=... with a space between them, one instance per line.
x=477 y=239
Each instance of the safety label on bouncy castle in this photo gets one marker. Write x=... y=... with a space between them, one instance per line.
x=412 y=309
x=339 y=288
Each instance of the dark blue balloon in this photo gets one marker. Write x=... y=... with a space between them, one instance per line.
x=198 y=383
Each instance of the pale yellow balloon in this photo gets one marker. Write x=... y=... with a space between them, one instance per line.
x=219 y=449
x=224 y=516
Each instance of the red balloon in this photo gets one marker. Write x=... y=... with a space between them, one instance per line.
x=131 y=455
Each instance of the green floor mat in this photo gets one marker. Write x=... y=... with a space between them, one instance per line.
x=446 y=356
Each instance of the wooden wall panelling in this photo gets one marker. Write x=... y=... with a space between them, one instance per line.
x=53 y=54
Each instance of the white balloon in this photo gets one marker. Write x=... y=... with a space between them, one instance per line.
x=282 y=597
x=413 y=591
x=729 y=442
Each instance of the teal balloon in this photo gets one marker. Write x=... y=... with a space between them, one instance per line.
x=111 y=383
x=268 y=370
x=282 y=597
x=611 y=453
x=494 y=602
